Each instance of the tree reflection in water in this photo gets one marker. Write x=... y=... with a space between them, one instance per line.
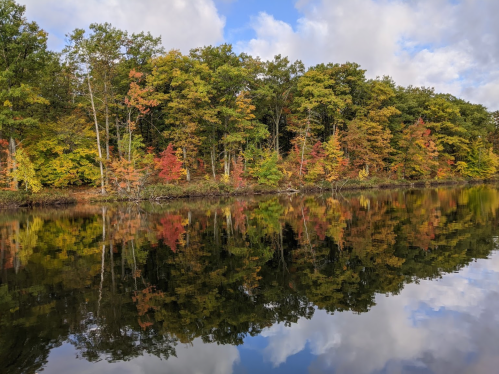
x=122 y=280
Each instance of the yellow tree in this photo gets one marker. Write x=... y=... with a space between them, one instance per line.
x=25 y=172
x=334 y=161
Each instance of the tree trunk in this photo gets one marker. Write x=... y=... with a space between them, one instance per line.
x=14 y=162
x=278 y=119
x=213 y=168
x=226 y=162
x=188 y=173
x=129 y=138
x=111 y=254
x=106 y=110
x=304 y=142
x=226 y=170
x=118 y=137
x=103 y=189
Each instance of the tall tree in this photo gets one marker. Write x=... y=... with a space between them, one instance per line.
x=232 y=74
x=182 y=86
x=275 y=88
x=23 y=54
x=333 y=160
x=314 y=95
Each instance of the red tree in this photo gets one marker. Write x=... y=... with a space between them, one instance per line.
x=237 y=173
x=169 y=165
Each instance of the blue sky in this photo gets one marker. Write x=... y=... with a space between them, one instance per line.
x=238 y=15
x=451 y=45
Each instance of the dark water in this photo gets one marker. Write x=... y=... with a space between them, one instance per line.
x=387 y=282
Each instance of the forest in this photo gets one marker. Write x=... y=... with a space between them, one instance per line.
x=118 y=112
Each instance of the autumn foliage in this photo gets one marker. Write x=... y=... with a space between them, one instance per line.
x=237 y=173
x=169 y=165
x=4 y=163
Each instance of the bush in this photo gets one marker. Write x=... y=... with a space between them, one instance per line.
x=268 y=172
x=161 y=190
x=15 y=199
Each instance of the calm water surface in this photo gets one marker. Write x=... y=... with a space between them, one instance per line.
x=388 y=282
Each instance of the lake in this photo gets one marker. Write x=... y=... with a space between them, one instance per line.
x=393 y=281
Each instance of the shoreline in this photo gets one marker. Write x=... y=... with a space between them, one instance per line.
x=18 y=199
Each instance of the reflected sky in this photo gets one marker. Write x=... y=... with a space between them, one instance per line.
x=448 y=325
x=191 y=358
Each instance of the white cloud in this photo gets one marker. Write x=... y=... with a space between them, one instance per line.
x=434 y=324
x=198 y=358
x=452 y=46
x=181 y=24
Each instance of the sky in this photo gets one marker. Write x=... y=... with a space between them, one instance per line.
x=451 y=45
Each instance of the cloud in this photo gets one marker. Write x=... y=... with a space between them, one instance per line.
x=182 y=24
x=195 y=358
x=435 y=325
x=450 y=45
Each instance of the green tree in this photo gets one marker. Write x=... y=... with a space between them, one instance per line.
x=232 y=75
x=481 y=161
x=267 y=171
x=181 y=85
x=275 y=91
x=63 y=152
x=23 y=55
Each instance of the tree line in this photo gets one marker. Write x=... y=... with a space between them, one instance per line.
x=116 y=110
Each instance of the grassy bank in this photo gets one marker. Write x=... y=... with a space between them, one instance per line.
x=194 y=189
x=17 y=199
x=208 y=189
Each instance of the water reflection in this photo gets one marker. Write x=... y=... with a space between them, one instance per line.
x=276 y=283
x=449 y=326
